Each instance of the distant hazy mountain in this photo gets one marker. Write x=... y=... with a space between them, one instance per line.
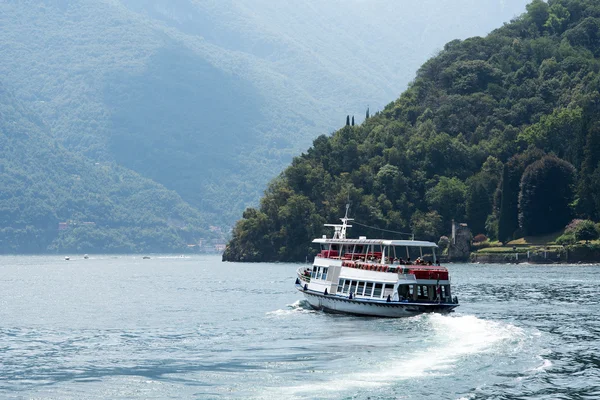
x=212 y=98
x=54 y=200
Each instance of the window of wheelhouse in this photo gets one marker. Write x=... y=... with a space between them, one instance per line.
x=377 y=290
x=445 y=291
x=346 y=286
x=325 y=270
x=404 y=291
x=319 y=273
x=360 y=288
x=313 y=274
x=353 y=287
x=388 y=289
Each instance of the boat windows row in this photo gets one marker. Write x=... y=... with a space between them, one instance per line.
x=382 y=290
x=365 y=289
x=319 y=273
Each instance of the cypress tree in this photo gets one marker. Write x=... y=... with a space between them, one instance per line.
x=353 y=120
x=367 y=116
x=545 y=195
x=505 y=225
x=479 y=202
x=508 y=220
x=586 y=206
x=347 y=120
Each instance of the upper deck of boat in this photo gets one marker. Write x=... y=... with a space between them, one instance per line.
x=376 y=242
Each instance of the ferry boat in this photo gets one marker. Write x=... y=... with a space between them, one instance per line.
x=375 y=277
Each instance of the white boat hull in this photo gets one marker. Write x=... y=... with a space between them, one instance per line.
x=376 y=308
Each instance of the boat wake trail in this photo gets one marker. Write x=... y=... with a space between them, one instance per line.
x=442 y=345
x=298 y=307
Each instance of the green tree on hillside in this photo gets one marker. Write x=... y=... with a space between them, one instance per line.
x=586 y=230
x=537 y=11
x=508 y=222
x=545 y=196
x=448 y=199
x=481 y=189
x=586 y=192
x=466 y=139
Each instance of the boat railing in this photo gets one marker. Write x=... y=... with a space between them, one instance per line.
x=304 y=274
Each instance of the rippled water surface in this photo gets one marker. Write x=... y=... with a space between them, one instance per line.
x=193 y=327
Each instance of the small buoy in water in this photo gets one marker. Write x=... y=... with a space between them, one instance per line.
x=67 y=258
x=86 y=256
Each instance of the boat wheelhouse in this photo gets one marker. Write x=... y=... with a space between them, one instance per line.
x=376 y=277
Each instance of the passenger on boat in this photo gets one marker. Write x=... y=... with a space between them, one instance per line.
x=408 y=261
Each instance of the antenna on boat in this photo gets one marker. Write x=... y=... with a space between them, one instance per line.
x=340 y=230
x=345 y=222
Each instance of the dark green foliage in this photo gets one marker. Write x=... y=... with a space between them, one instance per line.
x=545 y=196
x=566 y=239
x=537 y=12
x=586 y=230
x=426 y=226
x=211 y=99
x=448 y=199
x=508 y=222
x=481 y=189
x=527 y=90
x=588 y=189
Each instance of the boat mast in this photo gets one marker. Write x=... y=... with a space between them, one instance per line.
x=340 y=230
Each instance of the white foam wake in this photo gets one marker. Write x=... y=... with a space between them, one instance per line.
x=298 y=307
x=452 y=338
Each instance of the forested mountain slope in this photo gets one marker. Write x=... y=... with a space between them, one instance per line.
x=102 y=207
x=502 y=132
x=212 y=98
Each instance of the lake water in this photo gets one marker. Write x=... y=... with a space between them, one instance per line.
x=193 y=327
